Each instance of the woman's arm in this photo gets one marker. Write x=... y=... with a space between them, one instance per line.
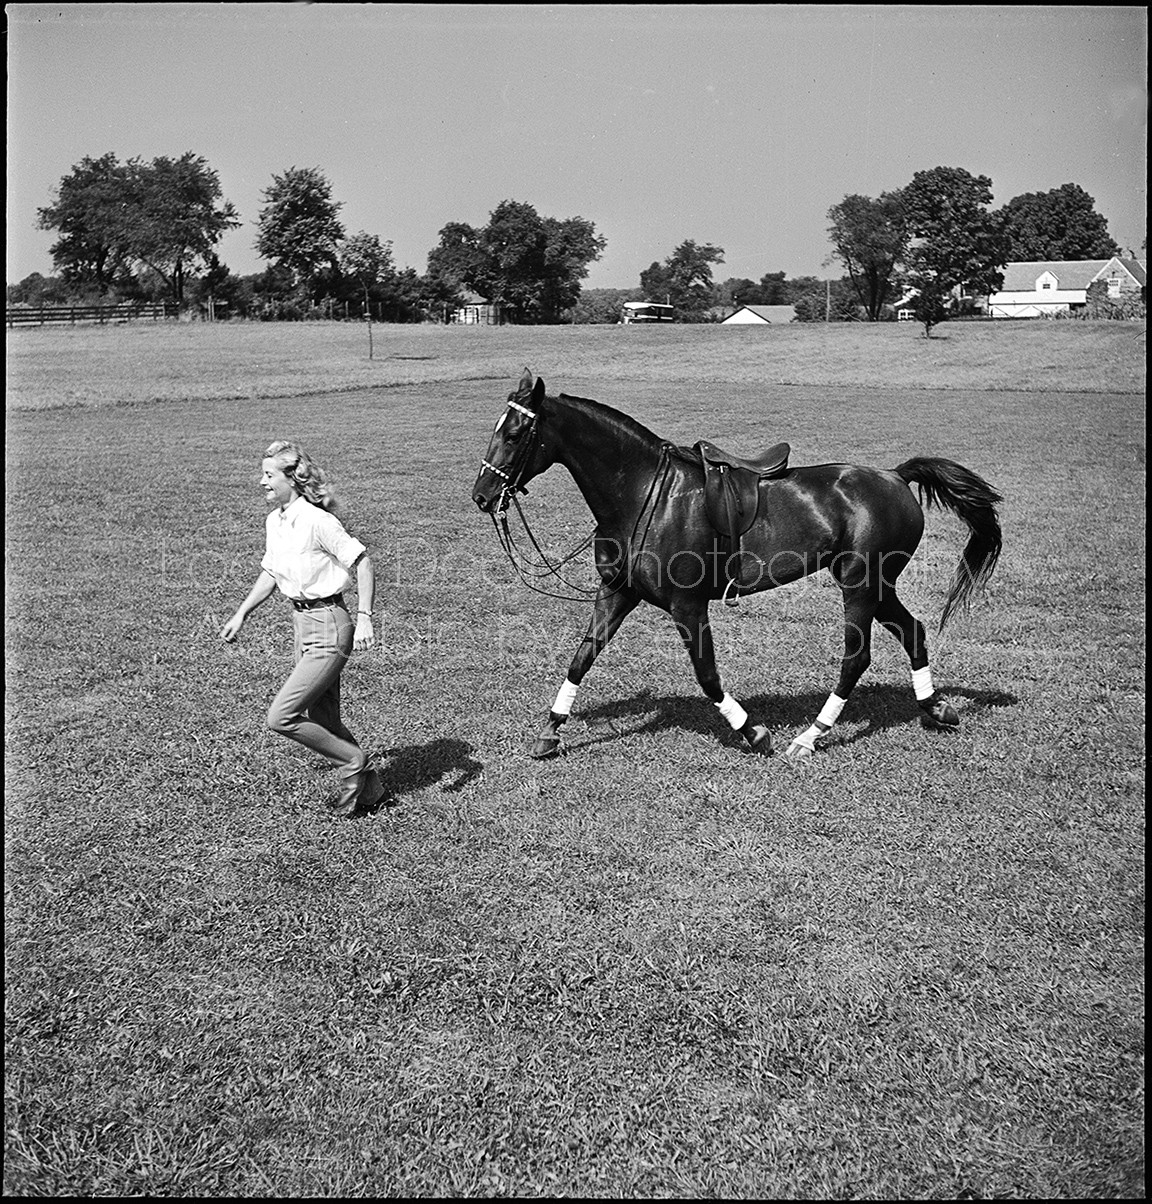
x=364 y=638
x=257 y=596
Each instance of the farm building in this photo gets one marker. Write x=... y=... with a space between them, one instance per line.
x=1043 y=289
x=760 y=315
x=478 y=311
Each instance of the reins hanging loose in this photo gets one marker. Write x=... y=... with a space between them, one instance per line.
x=545 y=568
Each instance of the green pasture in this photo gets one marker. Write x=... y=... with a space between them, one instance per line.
x=655 y=966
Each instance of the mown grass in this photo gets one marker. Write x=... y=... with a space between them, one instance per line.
x=654 y=966
x=61 y=366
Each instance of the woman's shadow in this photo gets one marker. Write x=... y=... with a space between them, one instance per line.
x=412 y=767
x=878 y=707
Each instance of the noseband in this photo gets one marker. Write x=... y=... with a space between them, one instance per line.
x=519 y=465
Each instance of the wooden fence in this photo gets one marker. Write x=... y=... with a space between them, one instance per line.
x=42 y=315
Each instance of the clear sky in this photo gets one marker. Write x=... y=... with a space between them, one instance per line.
x=728 y=124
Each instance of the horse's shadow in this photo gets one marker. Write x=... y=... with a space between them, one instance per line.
x=877 y=707
x=413 y=767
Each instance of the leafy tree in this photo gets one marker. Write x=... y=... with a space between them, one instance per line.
x=166 y=215
x=531 y=265
x=173 y=217
x=870 y=238
x=955 y=240
x=656 y=284
x=1060 y=224
x=456 y=261
x=39 y=290
x=738 y=290
x=88 y=213
x=685 y=278
x=930 y=307
x=570 y=245
x=368 y=261
x=299 y=227
x=602 y=306
x=774 y=289
x=832 y=300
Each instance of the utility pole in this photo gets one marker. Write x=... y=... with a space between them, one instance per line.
x=827 y=300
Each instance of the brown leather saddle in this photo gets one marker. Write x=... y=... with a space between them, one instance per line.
x=732 y=503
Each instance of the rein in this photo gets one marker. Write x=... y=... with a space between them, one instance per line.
x=545 y=566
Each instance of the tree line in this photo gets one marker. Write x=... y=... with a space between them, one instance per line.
x=149 y=230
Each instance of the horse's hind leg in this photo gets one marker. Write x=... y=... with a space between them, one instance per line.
x=896 y=618
x=612 y=607
x=691 y=620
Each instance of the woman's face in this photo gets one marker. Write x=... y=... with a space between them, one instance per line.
x=278 y=489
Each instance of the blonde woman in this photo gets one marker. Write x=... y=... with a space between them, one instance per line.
x=309 y=556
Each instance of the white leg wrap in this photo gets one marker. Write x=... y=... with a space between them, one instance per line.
x=827 y=717
x=565 y=698
x=736 y=715
x=831 y=711
x=922 y=683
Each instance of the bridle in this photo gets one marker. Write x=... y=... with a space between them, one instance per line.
x=545 y=567
x=526 y=445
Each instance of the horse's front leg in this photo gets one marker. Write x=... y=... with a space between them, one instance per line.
x=691 y=618
x=612 y=607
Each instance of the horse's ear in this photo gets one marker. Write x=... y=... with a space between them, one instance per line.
x=525 y=382
x=538 y=393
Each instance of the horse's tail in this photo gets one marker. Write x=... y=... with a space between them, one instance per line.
x=945 y=483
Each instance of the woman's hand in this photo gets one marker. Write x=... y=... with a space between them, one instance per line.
x=365 y=637
x=231 y=629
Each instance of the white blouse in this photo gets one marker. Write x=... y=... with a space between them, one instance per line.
x=308 y=551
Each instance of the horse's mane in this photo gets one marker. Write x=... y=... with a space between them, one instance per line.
x=624 y=423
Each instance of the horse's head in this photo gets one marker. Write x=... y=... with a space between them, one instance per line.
x=515 y=454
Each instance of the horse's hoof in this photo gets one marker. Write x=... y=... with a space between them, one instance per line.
x=545 y=747
x=759 y=740
x=798 y=751
x=940 y=717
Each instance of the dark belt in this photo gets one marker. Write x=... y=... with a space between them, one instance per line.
x=317 y=603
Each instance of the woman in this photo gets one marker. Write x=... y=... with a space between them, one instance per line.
x=309 y=556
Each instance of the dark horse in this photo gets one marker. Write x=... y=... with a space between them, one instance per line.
x=654 y=542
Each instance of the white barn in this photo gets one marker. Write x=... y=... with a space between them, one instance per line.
x=760 y=315
x=1042 y=288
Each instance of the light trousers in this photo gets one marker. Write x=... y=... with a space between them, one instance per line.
x=307 y=708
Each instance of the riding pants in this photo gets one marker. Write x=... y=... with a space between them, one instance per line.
x=307 y=708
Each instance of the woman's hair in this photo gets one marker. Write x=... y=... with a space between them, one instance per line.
x=306 y=475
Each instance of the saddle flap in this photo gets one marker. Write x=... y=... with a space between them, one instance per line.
x=731 y=495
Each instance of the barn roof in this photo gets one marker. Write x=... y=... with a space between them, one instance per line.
x=1021 y=277
x=769 y=313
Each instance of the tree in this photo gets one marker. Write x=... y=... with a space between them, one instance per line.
x=930 y=308
x=955 y=240
x=299 y=226
x=685 y=279
x=1059 y=225
x=602 y=306
x=166 y=216
x=368 y=261
x=570 y=246
x=827 y=301
x=39 y=290
x=92 y=248
x=870 y=238
x=530 y=265
x=774 y=289
x=454 y=262
x=173 y=217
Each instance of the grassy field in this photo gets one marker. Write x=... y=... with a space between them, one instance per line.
x=656 y=966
